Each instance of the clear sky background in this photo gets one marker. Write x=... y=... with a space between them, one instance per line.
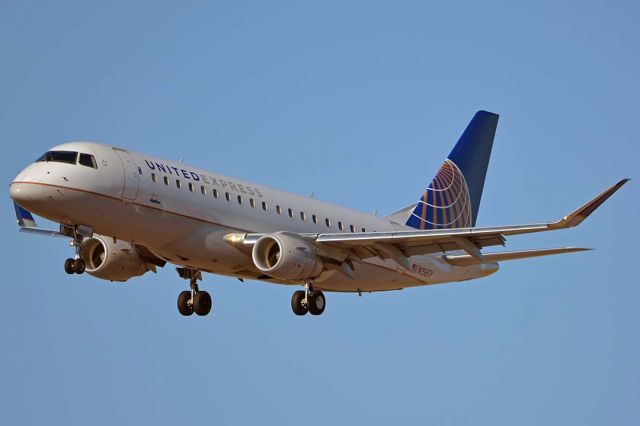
x=358 y=102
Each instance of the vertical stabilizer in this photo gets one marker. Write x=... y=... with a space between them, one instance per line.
x=452 y=199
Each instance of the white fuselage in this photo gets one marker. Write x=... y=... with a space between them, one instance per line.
x=182 y=214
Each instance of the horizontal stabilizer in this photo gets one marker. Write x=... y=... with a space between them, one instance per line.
x=468 y=260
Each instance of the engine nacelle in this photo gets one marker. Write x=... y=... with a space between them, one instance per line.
x=286 y=257
x=113 y=261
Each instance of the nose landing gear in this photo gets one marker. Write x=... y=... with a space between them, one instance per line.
x=76 y=265
x=308 y=300
x=194 y=300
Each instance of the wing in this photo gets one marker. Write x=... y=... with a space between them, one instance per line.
x=400 y=245
x=27 y=223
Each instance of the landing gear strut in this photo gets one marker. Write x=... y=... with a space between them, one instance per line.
x=309 y=300
x=76 y=265
x=194 y=300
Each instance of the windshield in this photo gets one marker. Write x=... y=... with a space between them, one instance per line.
x=87 y=160
x=59 y=156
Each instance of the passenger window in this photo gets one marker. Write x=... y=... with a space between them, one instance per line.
x=178 y=183
x=251 y=202
x=327 y=222
x=364 y=230
x=89 y=161
x=264 y=206
x=191 y=187
x=290 y=213
x=240 y=199
x=227 y=196
x=203 y=190
x=166 y=180
x=153 y=177
x=302 y=216
x=278 y=210
x=340 y=227
x=352 y=228
x=215 y=193
x=314 y=218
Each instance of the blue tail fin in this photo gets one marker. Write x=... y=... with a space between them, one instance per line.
x=453 y=196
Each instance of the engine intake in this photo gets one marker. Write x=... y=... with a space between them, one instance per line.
x=286 y=257
x=113 y=261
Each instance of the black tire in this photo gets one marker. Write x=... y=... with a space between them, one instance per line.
x=317 y=303
x=183 y=303
x=296 y=303
x=79 y=266
x=202 y=303
x=70 y=266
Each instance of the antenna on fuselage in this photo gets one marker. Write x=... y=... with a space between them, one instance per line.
x=181 y=160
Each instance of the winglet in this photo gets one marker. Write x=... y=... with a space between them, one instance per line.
x=24 y=217
x=27 y=223
x=575 y=218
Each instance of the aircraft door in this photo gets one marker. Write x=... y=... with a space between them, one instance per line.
x=131 y=175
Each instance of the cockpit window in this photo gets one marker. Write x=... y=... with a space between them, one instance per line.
x=87 y=160
x=60 y=157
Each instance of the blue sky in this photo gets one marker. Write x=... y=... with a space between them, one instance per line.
x=358 y=102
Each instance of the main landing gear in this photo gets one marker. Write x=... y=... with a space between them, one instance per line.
x=76 y=265
x=308 y=300
x=193 y=300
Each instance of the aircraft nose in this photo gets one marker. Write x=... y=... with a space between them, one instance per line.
x=25 y=194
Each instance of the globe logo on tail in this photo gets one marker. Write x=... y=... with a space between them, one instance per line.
x=445 y=203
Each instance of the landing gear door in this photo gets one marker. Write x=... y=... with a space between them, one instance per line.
x=131 y=175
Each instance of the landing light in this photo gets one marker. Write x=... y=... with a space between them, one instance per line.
x=236 y=239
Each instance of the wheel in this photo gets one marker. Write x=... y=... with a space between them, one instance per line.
x=317 y=303
x=202 y=303
x=184 y=303
x=297 y=305
x=79 y=266
x=70 y=266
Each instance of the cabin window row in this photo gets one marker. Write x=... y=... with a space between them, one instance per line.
x=252 y=203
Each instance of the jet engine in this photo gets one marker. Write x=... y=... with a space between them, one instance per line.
x=285 y=257
x=112 y=260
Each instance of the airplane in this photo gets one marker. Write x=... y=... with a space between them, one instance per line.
x=127 y=213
